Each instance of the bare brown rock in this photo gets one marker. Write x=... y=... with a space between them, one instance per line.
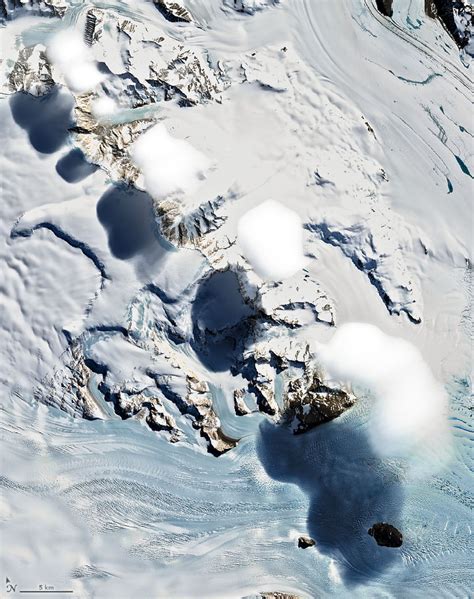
x=305 y=542
x=309 y=403
x=31 y=72
x=386 y=535
x=173 y=12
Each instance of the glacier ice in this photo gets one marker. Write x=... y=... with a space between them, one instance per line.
x=168 y=411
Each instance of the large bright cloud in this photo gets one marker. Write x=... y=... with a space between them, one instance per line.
x=103 y=108
x=169 y=165
x=271 y=239
x=410 y=405
x=68 y=53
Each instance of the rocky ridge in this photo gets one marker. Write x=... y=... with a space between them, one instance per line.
x=173 y=12
x=10 y=9
x=68 y=388
x=386 y=535
x=250 y=7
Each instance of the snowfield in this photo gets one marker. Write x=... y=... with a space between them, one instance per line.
x=236 y=297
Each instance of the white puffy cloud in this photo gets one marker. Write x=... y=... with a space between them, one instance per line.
x=103 y=107
x=271 y=239
x=410 y=405
x=68 y=53
x=169 y=165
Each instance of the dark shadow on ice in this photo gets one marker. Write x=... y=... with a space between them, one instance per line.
x=348 y=487
x=73 y=167
x=46 y=119
x=128 y=218
x=221 y=321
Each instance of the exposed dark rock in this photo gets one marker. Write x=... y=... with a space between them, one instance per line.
x=68 y=388
x=172 y=11
x=385 y=7
x=444 y=10
x=430 y=8
x=250 y=7
x=10 y=9
x=31 y=73
x=181 y=228
x=240 y=406
x=89 y=30
x=310 y=403
x=386 y=535
x=305 y=542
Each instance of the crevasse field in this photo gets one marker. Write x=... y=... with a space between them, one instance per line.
x=223 y=223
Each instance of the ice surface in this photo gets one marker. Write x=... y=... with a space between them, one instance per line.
x=144 y=363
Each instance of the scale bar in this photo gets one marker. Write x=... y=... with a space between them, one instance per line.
x=46 y=591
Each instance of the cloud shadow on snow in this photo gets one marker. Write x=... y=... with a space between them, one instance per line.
x=46 y=119
x=348 y=487
x=128 y=218
x=73 y=167
x=220 y=320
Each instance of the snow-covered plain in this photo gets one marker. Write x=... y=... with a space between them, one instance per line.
x=126 y=298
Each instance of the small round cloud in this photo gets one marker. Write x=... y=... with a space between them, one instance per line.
x=271 y=239
x=103 y=107
x=169 y=165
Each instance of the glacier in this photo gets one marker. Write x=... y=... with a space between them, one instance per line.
x=169 y=425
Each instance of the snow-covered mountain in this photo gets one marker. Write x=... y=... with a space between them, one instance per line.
x=197 y=198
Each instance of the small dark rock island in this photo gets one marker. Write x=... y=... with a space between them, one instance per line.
x=305 y=542
x=386 y=535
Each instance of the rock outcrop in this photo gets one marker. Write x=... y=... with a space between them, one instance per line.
x=107 y=145
x=149 y=408
x=385 y=7
x=309 y=402
x=182 y=228
x=68 y=388
x=305 y=542
x=386 y=535
x=207 y=421
x=250 y=6
x=31 y=72
x=10 y=9
x=240 y=407
x=457 y=16
x=173 y=12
